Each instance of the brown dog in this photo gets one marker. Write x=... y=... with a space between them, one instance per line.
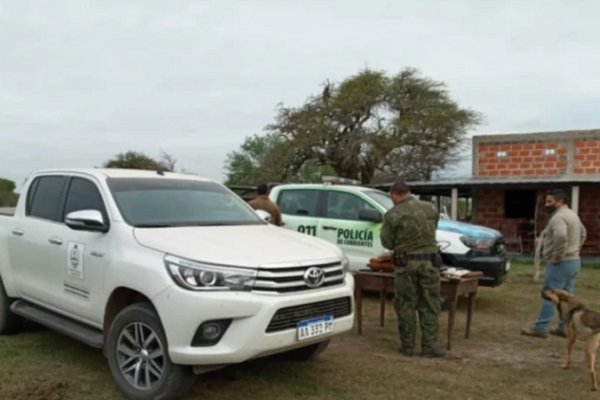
x=582 y=324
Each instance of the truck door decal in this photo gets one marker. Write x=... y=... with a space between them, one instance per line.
x=75 y=255
x=308 y=229
x=355 y=237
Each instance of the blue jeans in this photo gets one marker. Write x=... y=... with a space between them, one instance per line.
x=557 y=276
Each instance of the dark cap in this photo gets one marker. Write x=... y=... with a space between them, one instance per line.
x=399 y=186
x=263 y=188
x=559 y=195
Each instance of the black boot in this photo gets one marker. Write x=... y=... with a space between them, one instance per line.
x=408 y=352
x=433 y=353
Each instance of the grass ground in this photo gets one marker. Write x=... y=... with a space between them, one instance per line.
x=495 y=363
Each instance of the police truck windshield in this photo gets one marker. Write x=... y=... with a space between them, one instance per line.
x=159 y=203
x=381 y=198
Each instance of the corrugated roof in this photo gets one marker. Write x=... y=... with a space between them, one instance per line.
x=563 y=179
x=537 y=136
x=465 y=186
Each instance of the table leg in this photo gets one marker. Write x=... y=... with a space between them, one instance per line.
x=451 y=314
x=358 y=297
x=471 y=302
x=382 y=299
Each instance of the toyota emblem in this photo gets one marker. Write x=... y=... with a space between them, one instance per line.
x=314 y=277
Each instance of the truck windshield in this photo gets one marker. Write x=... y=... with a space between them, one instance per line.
x=158 y=203
x=380 y=197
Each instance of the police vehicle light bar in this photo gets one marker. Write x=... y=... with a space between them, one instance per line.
x=337 y=179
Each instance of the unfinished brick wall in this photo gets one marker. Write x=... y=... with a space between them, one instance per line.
x=488 y=207
x=488 y=210
x=587 y=156
x=522 y=159
x=589 y=213
x=571 y=156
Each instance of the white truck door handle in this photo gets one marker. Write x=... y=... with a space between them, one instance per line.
x=18 y=232
x=55 y=240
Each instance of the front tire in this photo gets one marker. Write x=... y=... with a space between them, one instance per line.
x=138 y=358
x=9 y=322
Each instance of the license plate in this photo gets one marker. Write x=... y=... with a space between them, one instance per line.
x=315 y=327
x=507 y=268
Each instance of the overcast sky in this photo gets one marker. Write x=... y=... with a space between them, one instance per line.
x=83 y=80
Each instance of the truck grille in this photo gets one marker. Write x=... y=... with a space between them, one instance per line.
x=288 y=317
x=291 y=279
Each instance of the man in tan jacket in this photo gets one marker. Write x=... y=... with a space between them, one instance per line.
x=262 y=202
x=562 y=240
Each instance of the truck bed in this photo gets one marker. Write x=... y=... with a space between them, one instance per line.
x=7 y=211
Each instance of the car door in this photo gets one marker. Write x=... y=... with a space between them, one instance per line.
x=34 y=247
x=300 y=209
x=85 y=255
x=342 y=226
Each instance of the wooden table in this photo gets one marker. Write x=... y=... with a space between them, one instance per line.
x=451 y=289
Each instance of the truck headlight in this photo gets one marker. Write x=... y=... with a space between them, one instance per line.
x=198 y=276
x=346 y=264
x=478 y=244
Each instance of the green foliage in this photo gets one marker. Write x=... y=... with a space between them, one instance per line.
x=6 y=185
x=8 y=199
x=369 y=127
x=264 y=159
x=244 y=166
x=428 y=127
x=7 y=196
x=137 y=160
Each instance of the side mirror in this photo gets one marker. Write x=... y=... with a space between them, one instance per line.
x=265 y=216
x=86 y=220
x=367 y=214
x=443 y=245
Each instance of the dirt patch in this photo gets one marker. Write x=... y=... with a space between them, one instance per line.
x=35 y=389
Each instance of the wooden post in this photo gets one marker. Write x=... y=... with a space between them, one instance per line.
x=454 y=205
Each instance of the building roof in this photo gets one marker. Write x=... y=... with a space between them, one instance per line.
x=465 y=186
x=536 y=136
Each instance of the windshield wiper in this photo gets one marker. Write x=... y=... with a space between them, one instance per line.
x=230 y=223
x=151 y=225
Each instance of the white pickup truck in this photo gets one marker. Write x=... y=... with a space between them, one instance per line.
x=169 y=274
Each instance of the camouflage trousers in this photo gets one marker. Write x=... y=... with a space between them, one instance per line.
x=418 y=291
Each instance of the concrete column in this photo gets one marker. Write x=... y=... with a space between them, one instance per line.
x=570 y=156
x=575 y=198
x=454 y=205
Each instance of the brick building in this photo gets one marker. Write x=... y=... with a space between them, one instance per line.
x=569 y=160
x=537 y=154
x=512 y=172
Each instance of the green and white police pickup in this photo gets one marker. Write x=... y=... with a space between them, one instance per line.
x=351 y=217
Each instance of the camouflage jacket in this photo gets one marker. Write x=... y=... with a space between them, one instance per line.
x=410 y=226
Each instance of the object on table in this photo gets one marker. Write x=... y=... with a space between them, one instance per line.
x=454 y=273
x=382 y=263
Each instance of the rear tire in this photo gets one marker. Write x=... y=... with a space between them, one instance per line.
x=9 y=322
x=138 y=357
x=304 y=353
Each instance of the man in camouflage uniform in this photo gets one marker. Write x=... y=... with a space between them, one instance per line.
x=409 y=229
